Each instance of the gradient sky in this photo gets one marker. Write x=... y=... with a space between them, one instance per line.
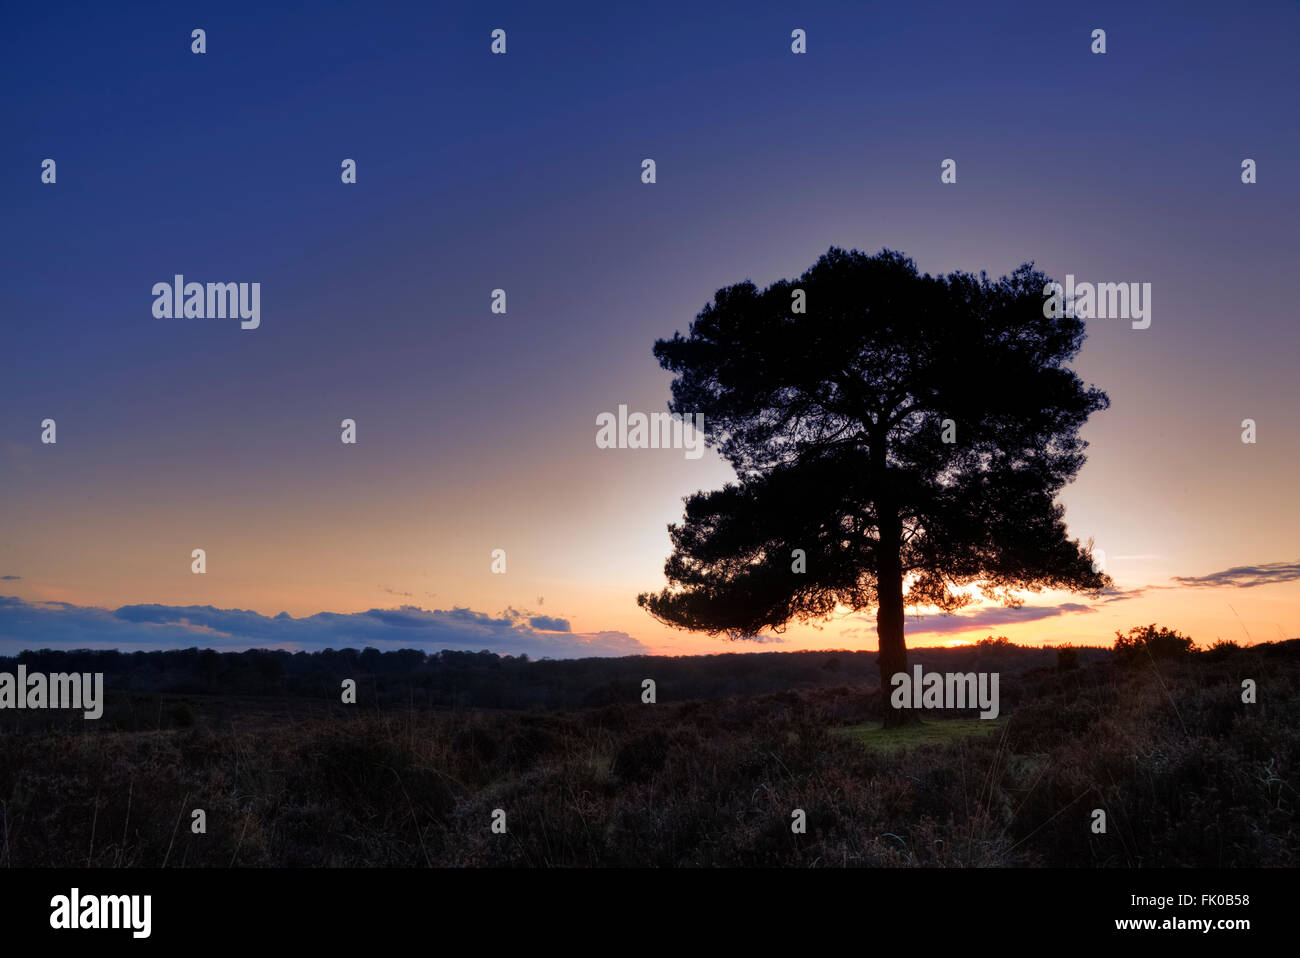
x=476 y=431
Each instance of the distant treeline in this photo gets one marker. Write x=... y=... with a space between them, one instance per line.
x=447 y=679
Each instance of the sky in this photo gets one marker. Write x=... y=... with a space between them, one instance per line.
x=476 y=430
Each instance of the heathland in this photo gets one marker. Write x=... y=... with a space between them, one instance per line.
x=1152 y=733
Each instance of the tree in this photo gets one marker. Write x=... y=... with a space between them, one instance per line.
x=908 y=432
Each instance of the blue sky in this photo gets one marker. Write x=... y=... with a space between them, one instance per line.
x=522 y=172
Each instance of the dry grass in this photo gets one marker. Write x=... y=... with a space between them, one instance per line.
x=1187 y=774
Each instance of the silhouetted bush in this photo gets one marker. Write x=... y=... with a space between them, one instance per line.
x=1148 y=642
x=1221 y=649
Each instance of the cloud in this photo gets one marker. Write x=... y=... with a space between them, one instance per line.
x=35 y=625
x=547 y=624
x=1244 y=576
x=1122 y=595
x=991 y=617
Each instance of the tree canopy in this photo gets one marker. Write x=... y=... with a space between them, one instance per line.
x=908 y=432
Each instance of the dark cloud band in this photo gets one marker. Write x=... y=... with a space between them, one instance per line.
x=35 y=625
x=1245 y=576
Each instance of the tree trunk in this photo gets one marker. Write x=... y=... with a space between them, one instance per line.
x=892 y=656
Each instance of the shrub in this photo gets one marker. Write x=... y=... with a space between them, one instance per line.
x=1221 y=649
x=1143 y=642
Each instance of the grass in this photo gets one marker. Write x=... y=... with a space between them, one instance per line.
x=1188 y=774
x=940 y=732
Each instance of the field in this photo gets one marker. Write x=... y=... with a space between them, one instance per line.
x=709 y=775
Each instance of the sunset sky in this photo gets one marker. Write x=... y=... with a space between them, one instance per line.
x=476 y=431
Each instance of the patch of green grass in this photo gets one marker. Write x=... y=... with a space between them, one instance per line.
x=938 y=732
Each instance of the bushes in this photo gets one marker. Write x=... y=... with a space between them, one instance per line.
x=1147 y=642
x=1221 y=649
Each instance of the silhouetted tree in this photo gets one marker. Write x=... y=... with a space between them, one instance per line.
x=905 y=431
